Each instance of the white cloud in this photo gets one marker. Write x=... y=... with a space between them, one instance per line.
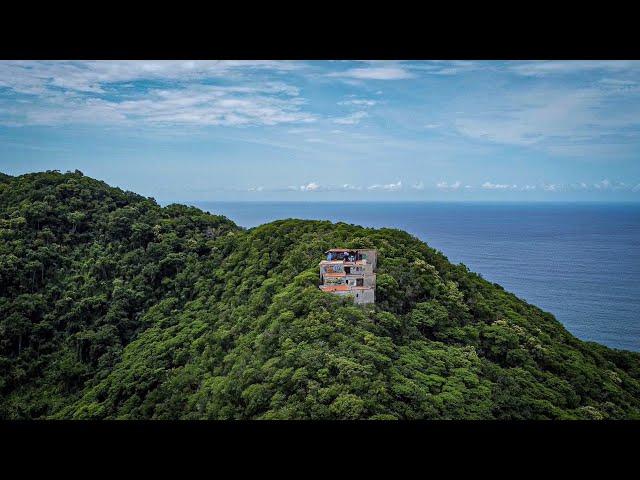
x=93 y=76
x=498 y=186
x=393 y=186
x=389 y=187
x=269 y=104
x=348 y=186
x=442 y=185
x=602 y=186
x=359 y=102
x=579 y=186
x=352 y=119
x=448 y=67
x=296 y=131
x=375 y=73
x=559 y=119
x=557 y=67
x=102 y=92
x=606 y=184
x=310 y=187
x=316 y=187
x=617 y=82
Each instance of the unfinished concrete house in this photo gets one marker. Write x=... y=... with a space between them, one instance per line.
x=350 y=272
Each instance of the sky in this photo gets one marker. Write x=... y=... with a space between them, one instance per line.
x=330 y=130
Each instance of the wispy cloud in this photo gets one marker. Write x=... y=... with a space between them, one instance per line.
x=36 y=77
x=607 y=184
x=351 y=119
x=559 y=67
x=310 y=187
x=556 y=119
x=359 y=102
x=442 y=185
x=447 y=67
x=269 y=104
x=498 y=186
x=618 y=82
x=604 y=185
x=389 y=187
x=317 y=187
x=153 y=92
x=375 y=73
x=601 y=186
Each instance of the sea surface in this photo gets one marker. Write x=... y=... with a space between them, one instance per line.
x=579 y=261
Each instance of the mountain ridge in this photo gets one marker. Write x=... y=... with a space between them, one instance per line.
x=115 y=307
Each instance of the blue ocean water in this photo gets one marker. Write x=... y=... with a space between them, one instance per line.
x=580 y=262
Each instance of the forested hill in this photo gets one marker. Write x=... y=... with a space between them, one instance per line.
x=113 y=307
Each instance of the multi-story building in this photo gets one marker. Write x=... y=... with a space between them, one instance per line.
x=348 y=271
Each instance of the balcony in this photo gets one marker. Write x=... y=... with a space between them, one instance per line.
x=343 y=255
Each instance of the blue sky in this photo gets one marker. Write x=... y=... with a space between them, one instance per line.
x=325 y=130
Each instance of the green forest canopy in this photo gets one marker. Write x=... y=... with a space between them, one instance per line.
x=114 y=307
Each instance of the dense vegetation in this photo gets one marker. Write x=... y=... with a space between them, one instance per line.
x=113 y=307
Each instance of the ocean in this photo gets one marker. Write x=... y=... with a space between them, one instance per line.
x=579 y=261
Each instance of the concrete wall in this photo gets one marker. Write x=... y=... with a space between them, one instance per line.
x=364 y=296
x=342 y=294
x=361 y=268
x=368 y=280
x=371 y=256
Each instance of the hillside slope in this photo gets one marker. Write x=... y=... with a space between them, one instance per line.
x=113 y=307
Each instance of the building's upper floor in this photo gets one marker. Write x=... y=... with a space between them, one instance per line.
x=345 y=268
x=358 y=257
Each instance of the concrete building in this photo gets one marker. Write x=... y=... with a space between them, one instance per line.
x=350 y=272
